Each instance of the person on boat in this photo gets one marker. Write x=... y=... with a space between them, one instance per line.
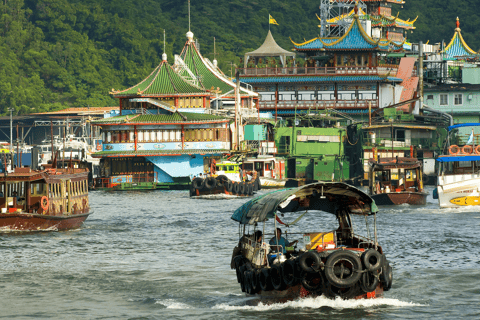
x=281 y=241
x=257 y=236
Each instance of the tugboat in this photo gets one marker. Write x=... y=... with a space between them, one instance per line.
x=49 y=199
x=226 y=178
x=394 y=181
x=333 y=262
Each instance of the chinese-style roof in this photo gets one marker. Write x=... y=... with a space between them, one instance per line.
x=153 y=153
x=355 y=38
x=457 y=47
x=308 y=79
x=162 y=81
x=389 y=21
x=176 y=117
x=206 y=75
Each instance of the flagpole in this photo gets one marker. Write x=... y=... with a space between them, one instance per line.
x=269 y=22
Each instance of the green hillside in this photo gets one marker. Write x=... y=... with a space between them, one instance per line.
x=70 y=53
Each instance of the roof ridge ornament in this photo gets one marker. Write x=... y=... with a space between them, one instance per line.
x=189 y=33
x=164 y=55
x=457 y=29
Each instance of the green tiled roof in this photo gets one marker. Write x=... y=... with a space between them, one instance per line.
x=146 y=153
x=159 y=118
x=195 y=63
x=162 y=81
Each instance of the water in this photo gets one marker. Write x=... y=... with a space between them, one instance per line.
x=162 y=255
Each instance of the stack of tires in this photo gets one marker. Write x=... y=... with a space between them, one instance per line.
x=206 y=186
x=342 y=273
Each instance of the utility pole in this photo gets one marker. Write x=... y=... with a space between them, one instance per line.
x=11 y=136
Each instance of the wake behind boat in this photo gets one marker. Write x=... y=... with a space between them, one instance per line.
x=334 y=261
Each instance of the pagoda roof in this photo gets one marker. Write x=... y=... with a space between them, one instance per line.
x=172 y=117
x=162 y=81
x=355 y=38
x=389 y=21
x=305 y=79
x=457 y=47
x=207 y=77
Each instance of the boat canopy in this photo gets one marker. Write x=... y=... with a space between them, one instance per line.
x=394 y=163
x=458 y=158
x=322 y=196
x=455 y=126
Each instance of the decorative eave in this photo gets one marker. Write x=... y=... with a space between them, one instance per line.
x=457 y=46
x=335 y=43
x=156 y=153
x=161 y=119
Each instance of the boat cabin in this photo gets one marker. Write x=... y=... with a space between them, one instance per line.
x=395 y=175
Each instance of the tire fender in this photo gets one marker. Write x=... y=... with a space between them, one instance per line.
x=343 y=269
x=310 y=262
x=372 y=260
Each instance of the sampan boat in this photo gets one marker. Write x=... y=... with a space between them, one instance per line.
x=332 y=262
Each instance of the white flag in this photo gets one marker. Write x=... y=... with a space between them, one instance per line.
x=470 y=139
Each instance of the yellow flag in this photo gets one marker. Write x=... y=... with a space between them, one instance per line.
x=272 y=21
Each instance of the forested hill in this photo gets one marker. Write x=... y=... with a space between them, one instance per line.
x=56 y=54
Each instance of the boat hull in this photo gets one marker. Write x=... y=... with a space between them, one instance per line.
x=38 y=222
x=396 y=198
x=272 y=183
x=462 y=190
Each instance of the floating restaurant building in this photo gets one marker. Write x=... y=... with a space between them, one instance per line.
x=166 y=131
x=349 y=72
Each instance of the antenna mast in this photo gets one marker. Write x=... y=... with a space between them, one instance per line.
x=188 y=15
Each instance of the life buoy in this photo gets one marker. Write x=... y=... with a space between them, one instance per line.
x=313 y=282
x=342 y=269
x=310 y=262
x=264 y=280
x=276 y=277
x=288 y=272
x=369 y=281
x=372 y=260
x=44 y=203
x=454 y=149
x=477 y=149
x=467 y=149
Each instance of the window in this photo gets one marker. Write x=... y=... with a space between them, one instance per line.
x=444 y=100
x=430 y=97
x=458 y=99
x=293 y=97
x=312 y=97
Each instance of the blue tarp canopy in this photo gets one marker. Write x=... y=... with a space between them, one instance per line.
x=322 y=196
x=458 y=158
x=463 y=125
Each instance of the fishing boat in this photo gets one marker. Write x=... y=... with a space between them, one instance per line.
x=334 y=261
x=394 y=181
x=49 y=199
x=269 y=169
x=458 y=182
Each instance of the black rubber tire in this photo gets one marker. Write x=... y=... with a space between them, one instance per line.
x=254 y=281
x=310 y=262
x=221 y=179
x=198 y=183
x=264 y=280
x=248 y=283
x=255 y=186
x=276 y=276
x=193 y=192
x=239 y=261
x=229 y=185
x=242 y=187
x=259 y=185
x=289 y=273
x=314 y=282
x=386 y=277
x=342 y=269
x=344 y=293
x=369 y=281
x=242 y=277
x=210 y=183
x=372 y=260
x=250 y=189
x=236 y=188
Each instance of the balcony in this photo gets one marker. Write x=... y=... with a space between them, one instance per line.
x=302 y=105
x=380 y=70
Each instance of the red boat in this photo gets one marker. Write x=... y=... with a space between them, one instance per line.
x=44 y=200
x=333 y=262
x=394 y=181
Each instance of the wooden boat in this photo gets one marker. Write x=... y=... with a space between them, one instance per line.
x=333 y=262
x=394 y=181
x=44 y=200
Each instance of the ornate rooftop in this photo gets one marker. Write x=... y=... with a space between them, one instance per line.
x=457 y=47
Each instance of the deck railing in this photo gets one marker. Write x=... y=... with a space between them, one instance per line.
x=309 y=104
x=319 y=71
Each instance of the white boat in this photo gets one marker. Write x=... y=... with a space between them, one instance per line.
x=269 y=169
x=458 y=181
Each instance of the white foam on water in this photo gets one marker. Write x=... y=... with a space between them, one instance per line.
x=319 y=302
x=217 y=196
x=172 y=304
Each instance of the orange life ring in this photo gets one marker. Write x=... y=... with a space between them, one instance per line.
x=464 y=149
x=477 y=149
x=44 y=203
x=451 y=149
